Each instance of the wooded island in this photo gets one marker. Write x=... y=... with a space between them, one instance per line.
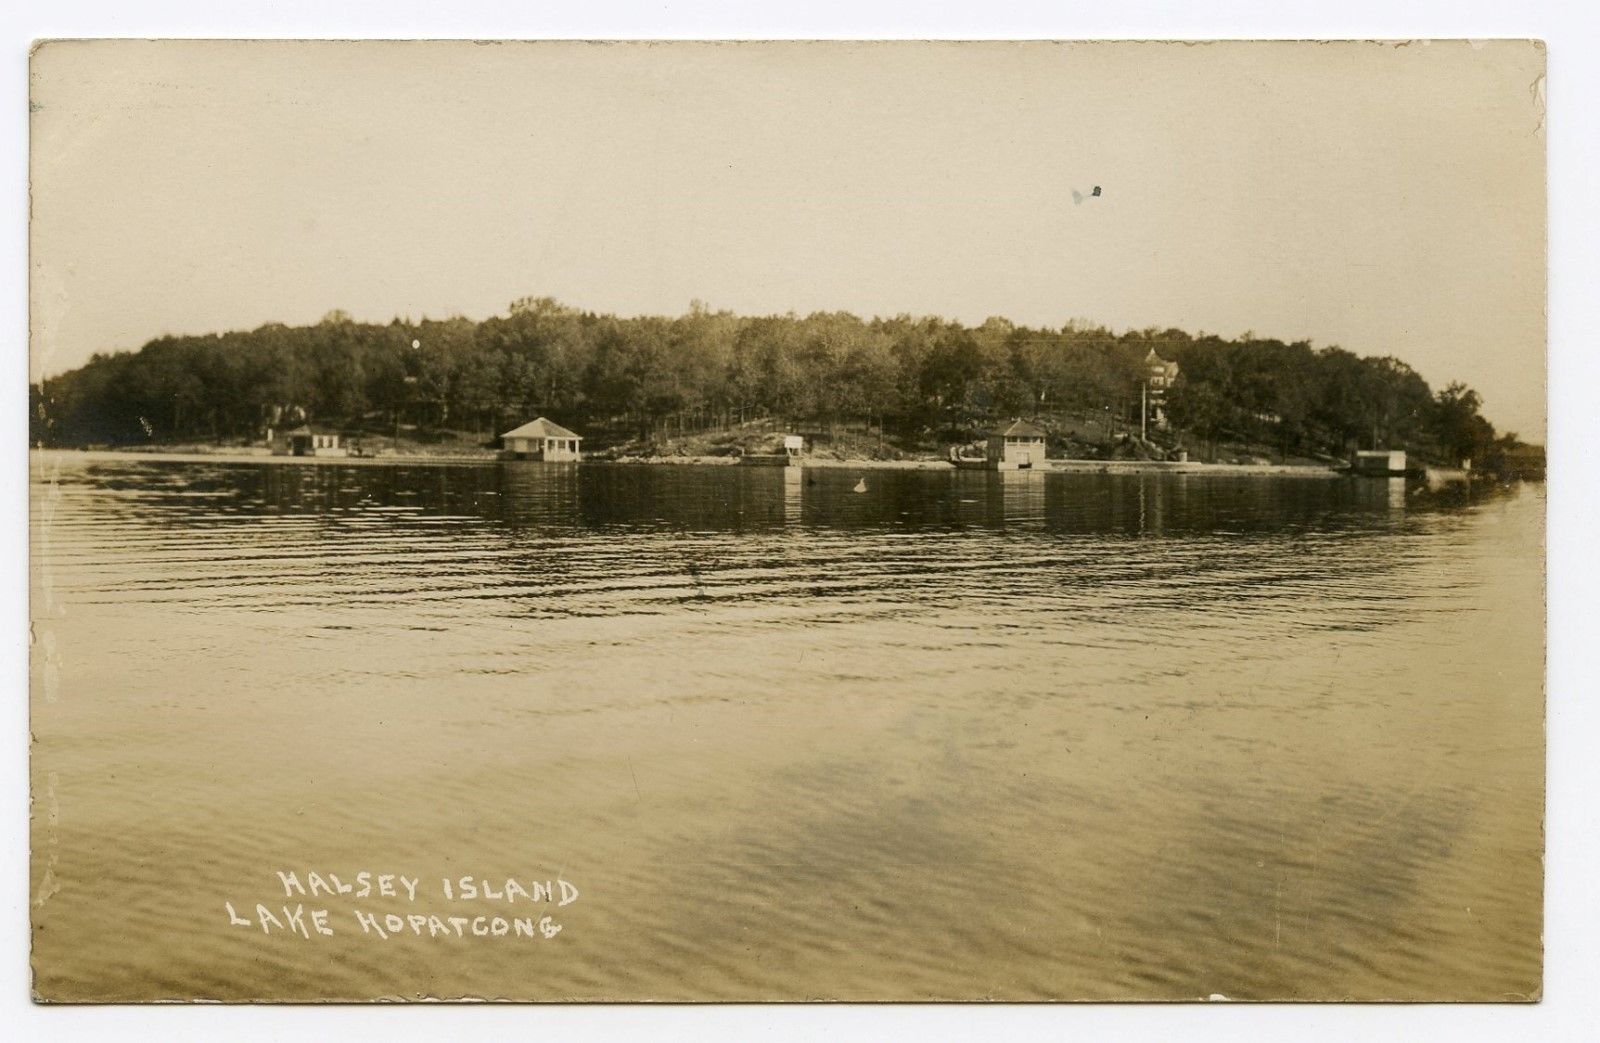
x=912 y=384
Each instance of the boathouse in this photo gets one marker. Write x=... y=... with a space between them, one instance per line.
x=541 y=439
x=306 y=440
x=1381 y=463
x=1017 y=446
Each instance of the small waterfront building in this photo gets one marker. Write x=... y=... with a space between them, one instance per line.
x=541 y=439
x=1016 y=446
x=1382 y=463
x=306 y=440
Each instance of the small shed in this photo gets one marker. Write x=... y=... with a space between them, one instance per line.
x=541 y=439
x=307 y=440
x=1017 y=446
x=1382 y=463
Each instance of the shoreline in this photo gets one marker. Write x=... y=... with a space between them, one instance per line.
x=1194 y=467
x=246 y=455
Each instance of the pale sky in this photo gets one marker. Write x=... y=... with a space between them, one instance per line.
x=1387 y=199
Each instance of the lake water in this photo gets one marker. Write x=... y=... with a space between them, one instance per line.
x=960 y=735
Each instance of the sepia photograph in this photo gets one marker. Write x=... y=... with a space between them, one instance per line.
x=704 y=522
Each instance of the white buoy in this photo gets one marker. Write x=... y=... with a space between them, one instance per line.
x=861 y=486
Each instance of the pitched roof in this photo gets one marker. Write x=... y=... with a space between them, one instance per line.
x=541 y=428
x=1022 y=429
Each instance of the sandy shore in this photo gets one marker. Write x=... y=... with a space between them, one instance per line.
x=248 y=455
x=1063 y=466
x=1172 y=467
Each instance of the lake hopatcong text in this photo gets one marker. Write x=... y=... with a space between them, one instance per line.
x=314 y=904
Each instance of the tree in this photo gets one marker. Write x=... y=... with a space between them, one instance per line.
x=1461 y=432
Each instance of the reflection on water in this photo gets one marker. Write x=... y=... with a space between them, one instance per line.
x=1377 y=493
x=955 y=735
x=794 y=495
x=643 y=497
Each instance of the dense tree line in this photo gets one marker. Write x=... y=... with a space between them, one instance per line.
x=916 y=376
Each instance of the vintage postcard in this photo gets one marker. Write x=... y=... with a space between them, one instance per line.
x=594 y=521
